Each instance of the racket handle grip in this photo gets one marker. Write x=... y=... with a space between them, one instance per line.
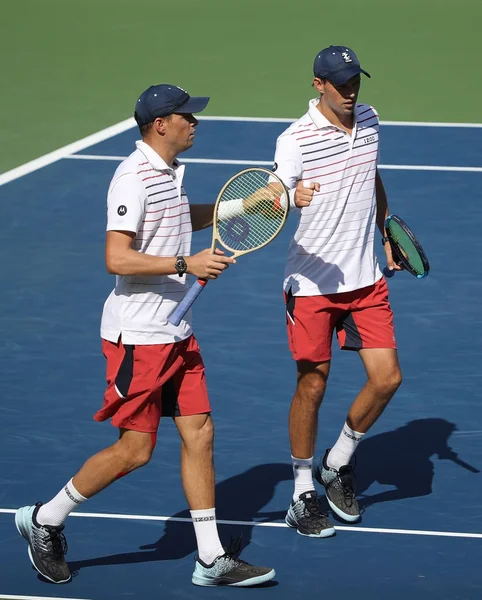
x=178 y=313
x=387 y=272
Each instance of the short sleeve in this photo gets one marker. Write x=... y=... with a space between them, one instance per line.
x=125 y=204
x=287 y=161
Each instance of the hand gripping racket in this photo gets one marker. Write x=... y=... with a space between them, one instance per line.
x=406 y=249
x=250 y=211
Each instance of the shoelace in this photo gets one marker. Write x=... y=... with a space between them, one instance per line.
x=312 y=509
x=233 y=549
x=346 y=477
x=52 y=540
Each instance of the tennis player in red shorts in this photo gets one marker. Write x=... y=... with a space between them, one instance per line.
x=329 y=160
x=154 y=369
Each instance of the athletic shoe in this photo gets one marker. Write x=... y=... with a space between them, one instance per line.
x=339 y=488
x=305 y=515
x=46 y=545
x=230 y=570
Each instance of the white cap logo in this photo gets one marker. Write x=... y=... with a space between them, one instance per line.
x=346 y=57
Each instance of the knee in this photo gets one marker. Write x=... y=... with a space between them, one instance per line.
x=311 y=387
x=199 y=439
x=387 y=385
x=134 y=456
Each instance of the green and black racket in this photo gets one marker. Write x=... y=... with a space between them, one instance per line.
x=406 y=249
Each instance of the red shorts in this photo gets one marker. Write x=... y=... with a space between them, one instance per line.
x=147 y=382
x=362 y=319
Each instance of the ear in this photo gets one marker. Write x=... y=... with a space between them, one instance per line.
x=160 y=125
x=319 y=84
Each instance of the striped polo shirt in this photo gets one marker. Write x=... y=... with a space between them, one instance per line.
x=333 y=249
x=146 y=197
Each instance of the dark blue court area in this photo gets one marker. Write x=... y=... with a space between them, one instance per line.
x=418 y=469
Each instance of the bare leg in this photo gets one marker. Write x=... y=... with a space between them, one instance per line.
x=197 y=466
x=384 y=378
x=303 y=417
x=131 y=451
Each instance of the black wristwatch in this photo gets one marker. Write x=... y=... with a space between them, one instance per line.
x=385 y=240
x=180 y=266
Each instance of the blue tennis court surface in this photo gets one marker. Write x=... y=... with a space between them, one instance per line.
x=418 y=470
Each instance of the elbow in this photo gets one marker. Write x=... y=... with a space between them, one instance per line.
x=115 y=265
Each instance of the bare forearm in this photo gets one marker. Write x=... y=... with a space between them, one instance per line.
x=382 y=203
x=131 y=262
x=201 y=216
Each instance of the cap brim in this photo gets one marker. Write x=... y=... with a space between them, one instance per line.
x=195 y=104
x=345 y=75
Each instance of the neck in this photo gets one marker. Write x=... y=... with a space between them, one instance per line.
x=343 y=121
x=168 y=154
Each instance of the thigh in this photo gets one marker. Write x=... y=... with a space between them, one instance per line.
x=186 y=393
x=381 y=364
x=310 y=322
x=368 y=322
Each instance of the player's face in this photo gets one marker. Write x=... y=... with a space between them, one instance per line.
x=340 y=99
x=180 y=131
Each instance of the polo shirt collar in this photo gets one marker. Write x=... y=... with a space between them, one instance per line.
x=154 y=159
x=320 y=120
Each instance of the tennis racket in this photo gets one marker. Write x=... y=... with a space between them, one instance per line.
x=250 y=211
x=406 y=249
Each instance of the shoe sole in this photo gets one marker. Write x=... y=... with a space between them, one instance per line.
x=205 y=582
x=324 y=533
x=22 y=528
x=346 y=517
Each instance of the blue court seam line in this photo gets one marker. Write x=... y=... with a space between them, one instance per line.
x=219 y=161
x=13 y=597
x=266 y=524
x=389 y=123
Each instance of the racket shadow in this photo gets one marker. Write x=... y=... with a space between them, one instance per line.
x=402 y=458
x=239 y=498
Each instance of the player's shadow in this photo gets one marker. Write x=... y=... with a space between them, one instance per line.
x=402 y=458
x=240 y=497
x=308 y=264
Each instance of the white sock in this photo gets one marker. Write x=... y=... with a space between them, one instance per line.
x=303 y=476
x=344 y=448
x=58 y=509
x=208 y=543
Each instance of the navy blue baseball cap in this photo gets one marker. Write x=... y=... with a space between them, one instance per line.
x=165 y=99
x=338 y=64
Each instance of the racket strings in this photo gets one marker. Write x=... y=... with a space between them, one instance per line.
x=251 y=211
x=406 y=249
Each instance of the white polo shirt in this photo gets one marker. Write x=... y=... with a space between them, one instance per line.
x=333 y=248
x=146 y=197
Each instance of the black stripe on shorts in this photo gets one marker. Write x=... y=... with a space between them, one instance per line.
x=126 y=370
x=353 y=339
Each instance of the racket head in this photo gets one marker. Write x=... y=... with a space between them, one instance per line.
x=406 y=249
x=250 y=211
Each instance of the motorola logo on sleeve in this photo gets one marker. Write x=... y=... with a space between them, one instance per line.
x=122 y=210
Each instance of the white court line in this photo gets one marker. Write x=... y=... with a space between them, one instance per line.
x=218 y=161
x=10 y=597
x=109 y=132
x=56 y=155
x=256 y=524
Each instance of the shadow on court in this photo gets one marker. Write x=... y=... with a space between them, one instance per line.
x=239 y=498
x=402 y=458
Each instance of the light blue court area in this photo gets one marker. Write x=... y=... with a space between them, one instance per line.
x=418 y=470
